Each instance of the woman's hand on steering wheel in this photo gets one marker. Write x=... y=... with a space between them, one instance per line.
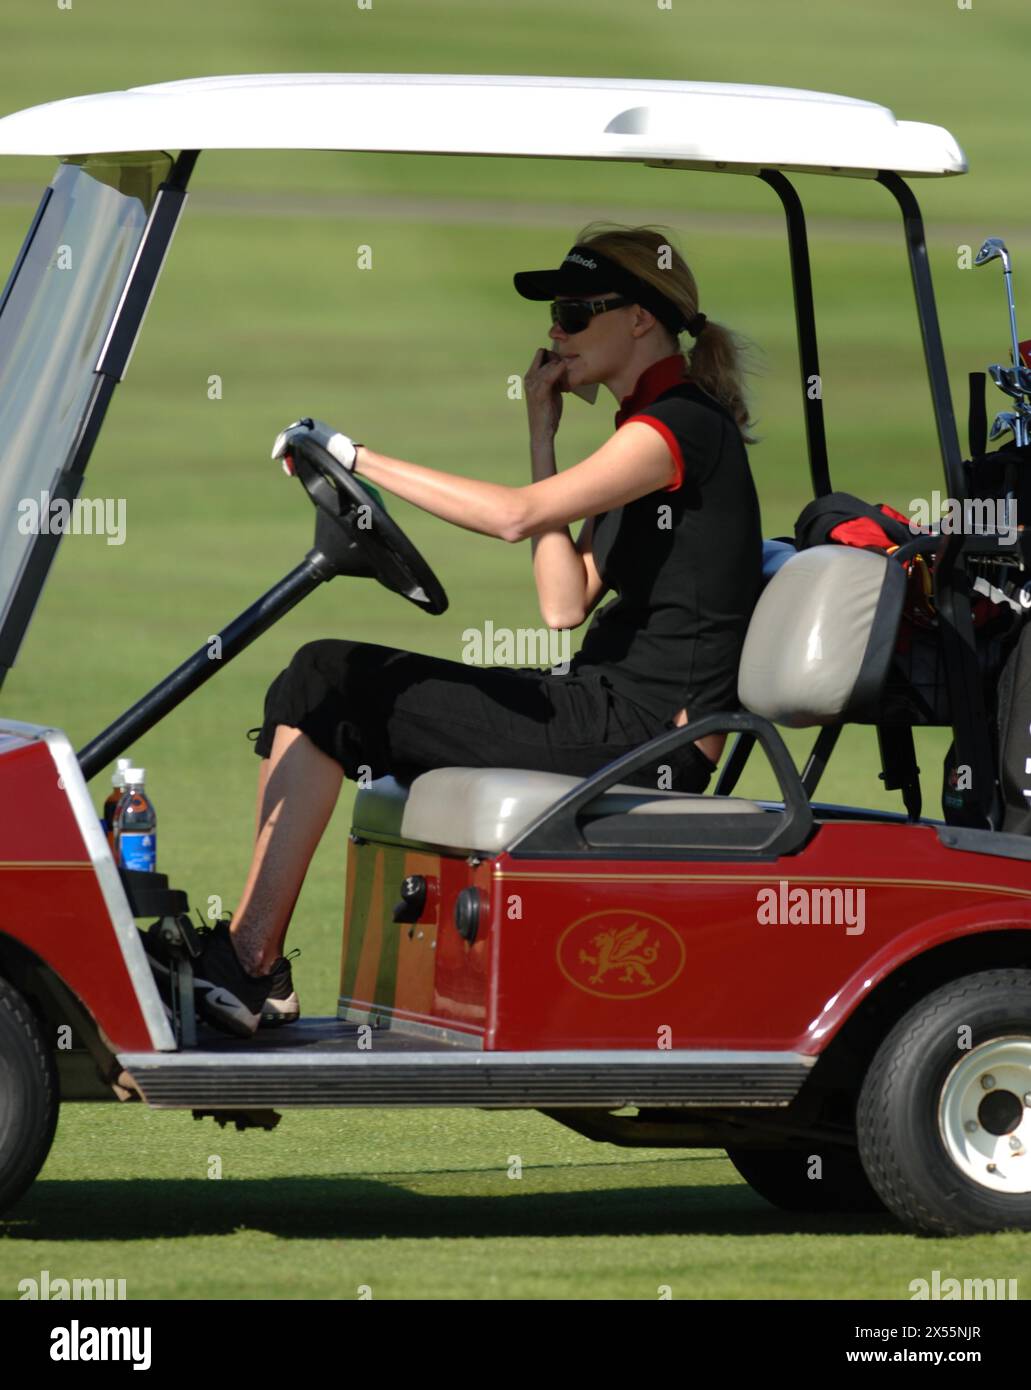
x=323 y=459
x=341 y=446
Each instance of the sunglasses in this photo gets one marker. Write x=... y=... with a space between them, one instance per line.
x=573 y=315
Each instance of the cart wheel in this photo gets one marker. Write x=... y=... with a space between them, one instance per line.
x=944 y=1117
x=782 y=1176
x=28 y=1096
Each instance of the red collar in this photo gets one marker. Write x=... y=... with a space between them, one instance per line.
x=651 y=384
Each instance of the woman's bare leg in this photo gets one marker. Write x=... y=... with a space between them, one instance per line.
x=297 y=790
x=263 y=772
x=711 y=745
x=263 y=776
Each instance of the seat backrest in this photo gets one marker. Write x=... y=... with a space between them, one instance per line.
x=821 y=637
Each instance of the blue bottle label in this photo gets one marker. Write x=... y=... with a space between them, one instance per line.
x=138 y=850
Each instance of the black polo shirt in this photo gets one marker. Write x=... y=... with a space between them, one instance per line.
x=685 y=561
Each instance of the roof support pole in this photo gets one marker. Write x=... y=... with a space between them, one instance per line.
x=930 y=332
x=805 y=326
x=146 y=268
x=973 y=743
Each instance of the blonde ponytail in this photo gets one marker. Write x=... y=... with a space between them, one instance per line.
x=717 y=359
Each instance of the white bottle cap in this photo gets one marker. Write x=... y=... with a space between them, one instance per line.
x=134 y=776
x=118 y=778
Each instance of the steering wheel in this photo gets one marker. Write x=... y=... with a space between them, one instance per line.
x=379 y=547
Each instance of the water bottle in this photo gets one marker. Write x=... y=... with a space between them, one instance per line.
x=107 y=820
x=135 y=825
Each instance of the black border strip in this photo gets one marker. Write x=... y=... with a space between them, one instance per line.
x=140 y=284
x=48 y=193
x=877 y=658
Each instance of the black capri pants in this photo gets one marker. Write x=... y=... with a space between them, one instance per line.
x=379 y=710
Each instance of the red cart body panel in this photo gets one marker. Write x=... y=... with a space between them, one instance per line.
x=618 y=953
x=422 y=972
x=60 y=894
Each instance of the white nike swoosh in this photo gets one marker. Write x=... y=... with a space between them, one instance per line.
x=217 y=995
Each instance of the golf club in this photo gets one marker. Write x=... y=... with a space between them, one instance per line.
x=993 y=249
x=1004 y=423
x=1015 y=381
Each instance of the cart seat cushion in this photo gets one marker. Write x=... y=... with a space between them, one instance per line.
x=821 y=637
x=474 y=808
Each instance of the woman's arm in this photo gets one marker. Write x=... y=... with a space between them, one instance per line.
x=568 y=583
x=632 y=463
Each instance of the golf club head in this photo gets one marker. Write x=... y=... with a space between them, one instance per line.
x=1007 y=379
x=1004 y=423
x=994 y=248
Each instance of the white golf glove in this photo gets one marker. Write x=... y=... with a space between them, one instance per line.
x=342 y=448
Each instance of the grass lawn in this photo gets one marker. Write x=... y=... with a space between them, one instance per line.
x=417 y=1204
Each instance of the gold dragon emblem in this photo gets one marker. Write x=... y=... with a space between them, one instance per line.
x=620 y=954
x=617 y=949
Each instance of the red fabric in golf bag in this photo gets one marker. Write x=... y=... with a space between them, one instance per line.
x=850 y=521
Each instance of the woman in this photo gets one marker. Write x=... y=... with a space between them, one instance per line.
x=672 y=528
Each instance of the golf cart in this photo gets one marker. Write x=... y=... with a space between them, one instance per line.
x=648 y=968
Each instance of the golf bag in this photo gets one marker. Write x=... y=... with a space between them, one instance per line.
x=998 y=585
x=1006 y=474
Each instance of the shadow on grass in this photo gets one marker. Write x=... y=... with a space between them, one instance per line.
x=363 y=1207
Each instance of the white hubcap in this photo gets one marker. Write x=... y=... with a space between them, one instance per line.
x=984 y=1115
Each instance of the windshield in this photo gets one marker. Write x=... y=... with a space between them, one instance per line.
x=54 y=318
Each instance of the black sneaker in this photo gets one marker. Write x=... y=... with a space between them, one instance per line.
x=282 y=1004
x=227 y=997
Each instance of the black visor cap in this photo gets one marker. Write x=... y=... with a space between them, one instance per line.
x=586 y=273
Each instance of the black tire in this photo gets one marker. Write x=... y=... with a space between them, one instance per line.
x=28 y=1096
x=782 y=1176
x=927 y=1136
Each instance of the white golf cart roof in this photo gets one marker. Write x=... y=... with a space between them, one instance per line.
x=125 y=160
x=716 y=126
